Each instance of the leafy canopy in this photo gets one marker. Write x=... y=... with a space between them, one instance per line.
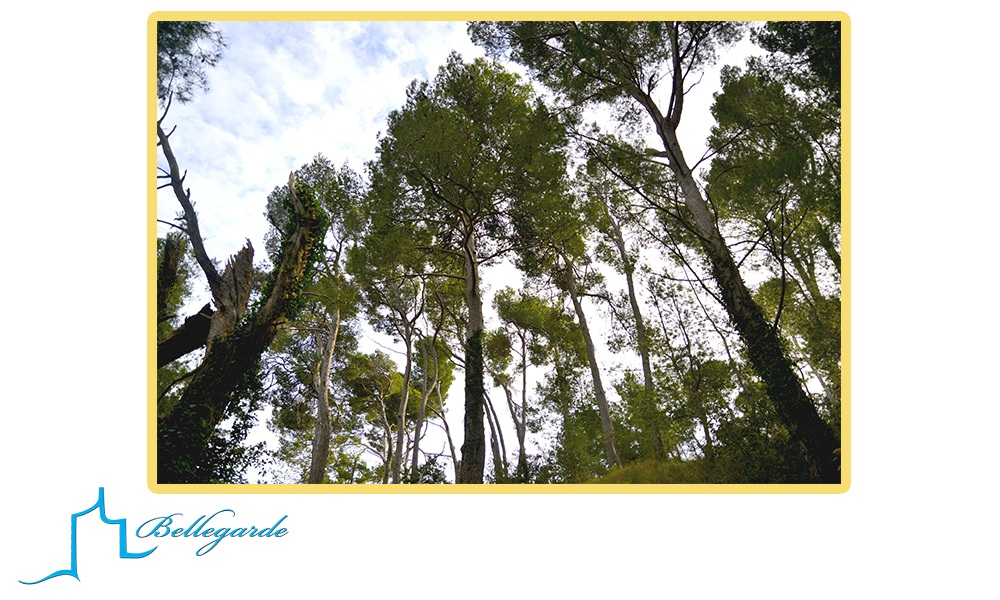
x=183 y=50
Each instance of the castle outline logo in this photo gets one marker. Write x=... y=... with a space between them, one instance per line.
x=122 y=540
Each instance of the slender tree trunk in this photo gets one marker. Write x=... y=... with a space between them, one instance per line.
x=699 y=403
x=522 y=456
x=397 y=461
x=652 y=411
x=610 y=447
x=570 y=459
x=496 y=444
x=520 y=417
x=474 y=447
x=424 y=392
x=321 y=435
x=387 y=468
x=447 y=432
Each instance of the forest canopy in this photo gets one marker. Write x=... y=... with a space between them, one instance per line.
x=531 y=275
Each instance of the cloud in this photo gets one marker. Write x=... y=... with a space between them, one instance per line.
x=284 y=92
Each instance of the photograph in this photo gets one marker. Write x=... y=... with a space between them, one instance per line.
x=592 y=254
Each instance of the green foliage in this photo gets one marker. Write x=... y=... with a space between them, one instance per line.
x=430 y=471
x=545 y=325
x=775 y=152
x=337 y=193
x=754 y=447
x=776 y=177
x=183 y=50
x=575 y=452
x=318 y=222
x=811 y=49
x=634 y=416
x=473 y=151
x=603 y=61
x=175 y=269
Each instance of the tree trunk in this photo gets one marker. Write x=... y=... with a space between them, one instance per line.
x=610 y=448
x=520 y=418
x=456 y=463
x=321 y=435
x=191 y=335
x=424 y=392
x=474 y=447
x=397 y=462
x=522 y=456
x=496 y=444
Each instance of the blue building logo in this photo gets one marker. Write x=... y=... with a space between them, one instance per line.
x=122 y=541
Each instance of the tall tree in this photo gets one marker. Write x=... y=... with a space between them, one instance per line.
x=625 y=63
x=471 y=157
x=543 y=334
x=776 y=176
x=575 y=284
x=435 y=371
x=330 y=296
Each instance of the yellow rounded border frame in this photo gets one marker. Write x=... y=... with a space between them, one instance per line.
x=501 y=488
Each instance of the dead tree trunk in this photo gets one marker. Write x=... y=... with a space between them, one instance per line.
x=236 y=340
x=321 y=435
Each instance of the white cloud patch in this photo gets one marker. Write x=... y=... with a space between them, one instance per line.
x=284 y=92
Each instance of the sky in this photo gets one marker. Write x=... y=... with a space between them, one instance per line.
x=919 y=520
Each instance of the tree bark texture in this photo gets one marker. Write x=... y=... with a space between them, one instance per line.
x=321 y=435
x=474 y=446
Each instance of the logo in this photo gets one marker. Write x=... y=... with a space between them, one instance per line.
x=122 y=541
x=167 y=527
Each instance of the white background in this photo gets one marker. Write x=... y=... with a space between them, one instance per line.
x=917 y=522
